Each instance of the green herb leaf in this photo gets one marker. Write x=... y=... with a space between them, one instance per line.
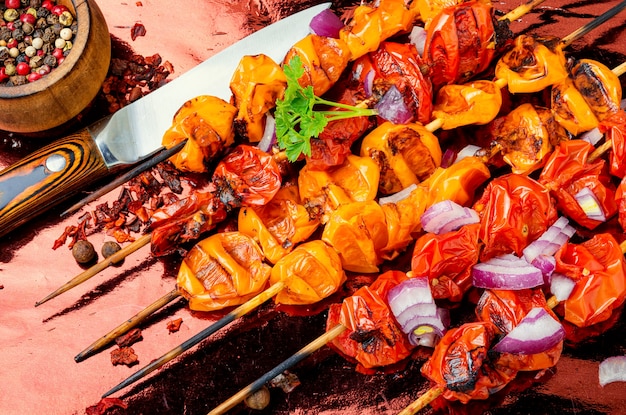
x=296 y=119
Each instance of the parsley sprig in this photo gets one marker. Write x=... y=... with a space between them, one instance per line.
x=296 y=119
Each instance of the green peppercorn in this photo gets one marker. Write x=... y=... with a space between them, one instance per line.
x=83 y=251
x=11 y=14
x=109 y=248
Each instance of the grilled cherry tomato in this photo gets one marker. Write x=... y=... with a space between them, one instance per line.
x=247 y=176
x=567 y=172
x=373 y=338
x=505 y=309
x=462 y=366
x=460 y=43
x=614 y=128
x=399 y=65
x=599 y=270
x=447 y=260
x=514 y=210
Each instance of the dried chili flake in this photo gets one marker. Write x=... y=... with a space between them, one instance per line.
x=129 y=338
x=124 y=356
x=174 y=325
x=137 y=30
x=104 y=405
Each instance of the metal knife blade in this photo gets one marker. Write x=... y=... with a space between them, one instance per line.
x=59 y=170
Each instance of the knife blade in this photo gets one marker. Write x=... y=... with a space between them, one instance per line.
x=61 y=169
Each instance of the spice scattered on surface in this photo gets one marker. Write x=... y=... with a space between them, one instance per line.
x=83 y=252
x=124 y=356
x=104 y=405
x=174 y=325
x=137 y=30
x=130 y=338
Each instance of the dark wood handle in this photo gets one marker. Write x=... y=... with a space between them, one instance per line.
x=48 y=177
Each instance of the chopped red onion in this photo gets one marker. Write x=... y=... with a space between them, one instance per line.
x=399 y=196
x=589 y=203
x=392 y=107
x=327 y=24
x=448 y=158
x=612 y=369
x=546 y=264
x=592 y=136
x=469 y=150
x=550 y=241
x=561 y=286
x=418 y=38
x=447 y=216
x=368 y=83
x=537 y=332
x=507 y=272
x=269 y=134
x=412 y=303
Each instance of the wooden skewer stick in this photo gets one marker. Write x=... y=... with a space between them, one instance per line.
x=569 y=39
x=521 y=10
x=230 y=317
x=300 y=355
x=84 y=276
x=127 y=325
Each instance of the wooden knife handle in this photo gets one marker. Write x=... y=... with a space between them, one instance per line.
x=47 y=177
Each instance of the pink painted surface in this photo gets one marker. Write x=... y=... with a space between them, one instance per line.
x=37 y=345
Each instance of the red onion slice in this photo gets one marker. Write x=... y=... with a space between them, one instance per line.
x=327 y=24
x=507 y=272
x=550 y=241
x=612 y=369
x=589 y=203
x=561 y=286
x=469 y=150
x=593 y=136
x=269 y=134
x=546 y=264
x=418 y=38
x=392 y=107
x=447 y=216
x=538 y=331
x=414 y=308
x=368 y=83
x=399 y=196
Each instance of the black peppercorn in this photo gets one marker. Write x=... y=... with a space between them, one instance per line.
x=50 y=60
x=83 y=251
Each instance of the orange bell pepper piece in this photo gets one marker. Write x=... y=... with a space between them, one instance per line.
x=207 y=124
x=225 y=269
x=478 y=102
x=256 y=84
x=311 y=272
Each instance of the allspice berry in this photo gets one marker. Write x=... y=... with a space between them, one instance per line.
x=109 y=248
x=258 y=400
x=83 y=251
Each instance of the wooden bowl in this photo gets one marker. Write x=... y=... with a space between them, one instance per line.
x=61 y=95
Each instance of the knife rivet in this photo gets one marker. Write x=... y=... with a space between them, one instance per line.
x=55 y=163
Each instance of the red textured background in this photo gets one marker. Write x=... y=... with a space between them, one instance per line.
x=37 y=345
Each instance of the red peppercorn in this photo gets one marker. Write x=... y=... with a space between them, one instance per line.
x=48 y=4
x=57 y=53
x=12 y=43
x=28 y=18
x=59 y=9
x=12 y=4
x=10 y=26
x=41 y=52
x=60 y=60
x=33 y=76
x=3 y=74
x=22 y=68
